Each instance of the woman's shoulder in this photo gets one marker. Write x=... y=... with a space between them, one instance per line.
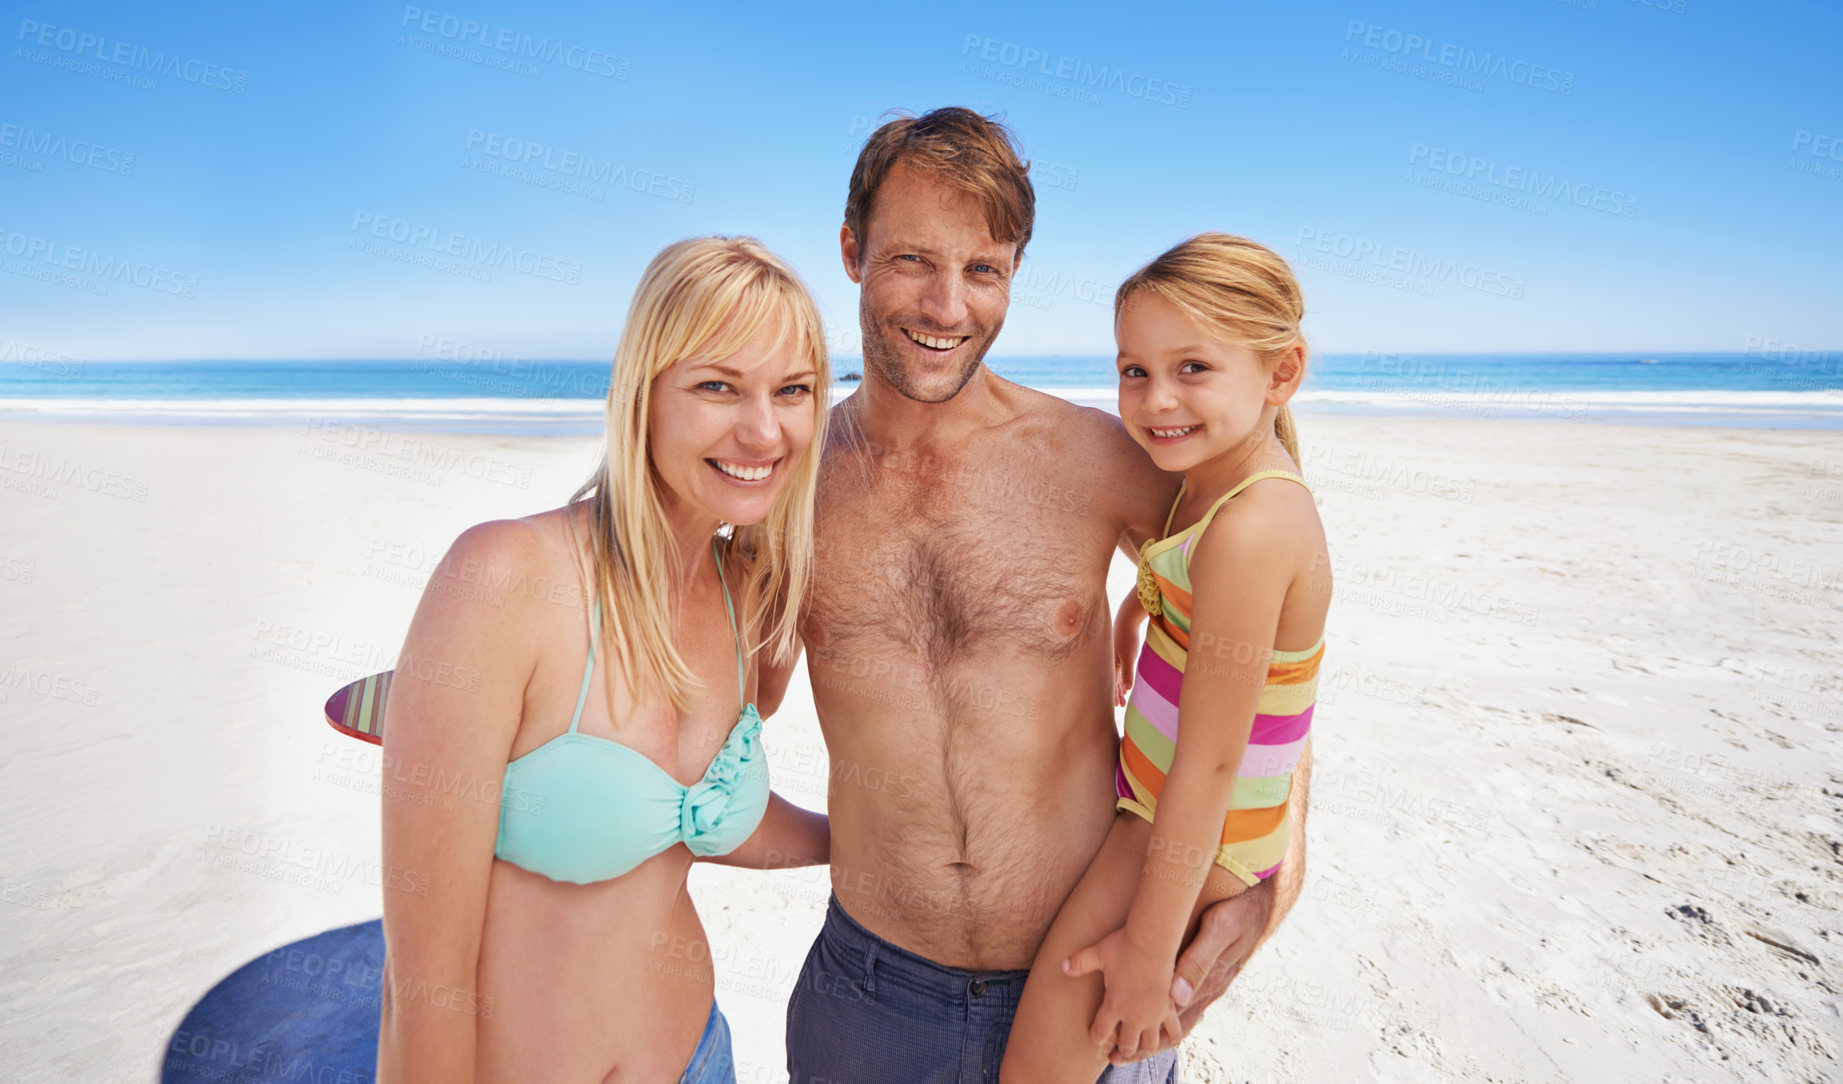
x=506 y=561
x=521 y=541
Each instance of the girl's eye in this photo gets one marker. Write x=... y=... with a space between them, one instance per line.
x=1132 y=371
x=1193 y=366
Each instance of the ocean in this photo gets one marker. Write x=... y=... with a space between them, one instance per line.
x=1769 y=389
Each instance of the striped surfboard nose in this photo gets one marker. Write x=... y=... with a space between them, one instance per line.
x=357 y=710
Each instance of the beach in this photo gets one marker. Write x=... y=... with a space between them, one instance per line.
x=1576 y=804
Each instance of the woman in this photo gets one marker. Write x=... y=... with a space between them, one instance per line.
x=542 y=930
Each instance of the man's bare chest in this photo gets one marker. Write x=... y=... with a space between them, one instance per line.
x=942 y=566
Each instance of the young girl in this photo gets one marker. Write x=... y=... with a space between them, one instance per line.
x=1237 y=589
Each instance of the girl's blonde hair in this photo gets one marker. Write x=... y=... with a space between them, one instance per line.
x=704 y=297
x=1240 y=289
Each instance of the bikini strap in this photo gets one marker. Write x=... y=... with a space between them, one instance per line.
x=741 y=689
x=1169 y=516
x=595 y=627
x=1203 y=524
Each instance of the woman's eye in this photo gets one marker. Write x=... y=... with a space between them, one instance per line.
x=796 y=389
x=713 y=385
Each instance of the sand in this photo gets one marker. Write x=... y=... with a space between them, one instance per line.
x=1577 y=814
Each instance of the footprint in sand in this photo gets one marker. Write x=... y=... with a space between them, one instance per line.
x=1675 y=1008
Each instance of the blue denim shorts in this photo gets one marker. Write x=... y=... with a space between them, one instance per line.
x=867 y=1012
x=712 y=1062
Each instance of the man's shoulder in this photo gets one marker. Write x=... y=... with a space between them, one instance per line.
x=1072 y=424
x=1093 y=442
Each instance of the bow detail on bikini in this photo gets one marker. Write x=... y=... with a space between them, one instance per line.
x=709 y=801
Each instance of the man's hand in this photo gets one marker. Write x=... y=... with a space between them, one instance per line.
x=1227 y=934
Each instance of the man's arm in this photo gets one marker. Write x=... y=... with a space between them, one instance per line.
x=1118 y=482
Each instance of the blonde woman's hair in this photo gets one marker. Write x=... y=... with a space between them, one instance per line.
x=704 y=297
x=1241 y=290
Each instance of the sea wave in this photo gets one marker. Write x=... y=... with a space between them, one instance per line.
x=1607 y=402
x=1823 y=408
x=574 y=408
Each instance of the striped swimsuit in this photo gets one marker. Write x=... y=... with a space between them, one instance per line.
x=1257 y=830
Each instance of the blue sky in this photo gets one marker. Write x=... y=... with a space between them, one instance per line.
x=345 y=181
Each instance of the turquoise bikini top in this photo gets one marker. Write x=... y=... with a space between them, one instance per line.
x=583 y=809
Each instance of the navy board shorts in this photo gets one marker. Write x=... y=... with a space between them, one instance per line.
x=868 y=1012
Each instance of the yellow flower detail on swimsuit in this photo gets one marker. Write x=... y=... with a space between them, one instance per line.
x=1148 y=589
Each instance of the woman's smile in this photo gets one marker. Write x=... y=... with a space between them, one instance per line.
x=744 y=473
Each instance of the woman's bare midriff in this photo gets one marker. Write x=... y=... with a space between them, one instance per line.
x=608 y=982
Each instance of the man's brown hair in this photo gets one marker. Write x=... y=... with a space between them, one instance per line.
x=975 y=154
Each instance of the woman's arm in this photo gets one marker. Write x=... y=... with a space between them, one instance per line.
x=771 y=682
x=787 y=836
x=454 y=707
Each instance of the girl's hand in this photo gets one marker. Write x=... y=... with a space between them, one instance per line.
x=1125 y=647
x=1137 y=1006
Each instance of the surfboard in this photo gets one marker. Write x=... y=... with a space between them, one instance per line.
x=306 y=1011
x=357 y=710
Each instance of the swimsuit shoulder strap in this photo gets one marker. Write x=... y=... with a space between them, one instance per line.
x=1173 y=513
x=741 y=693
x=1203 y=524
x=595 y=625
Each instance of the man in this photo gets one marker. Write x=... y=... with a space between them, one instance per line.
x=958 y=641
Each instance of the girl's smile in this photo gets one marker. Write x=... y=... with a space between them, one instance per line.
x=1186 y=396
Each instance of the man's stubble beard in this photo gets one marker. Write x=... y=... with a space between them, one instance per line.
x=880 y=359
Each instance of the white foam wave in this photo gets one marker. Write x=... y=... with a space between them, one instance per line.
x=399 y=408
x=1544 y=402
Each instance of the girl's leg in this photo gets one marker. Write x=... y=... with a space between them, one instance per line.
x=1049 y=1038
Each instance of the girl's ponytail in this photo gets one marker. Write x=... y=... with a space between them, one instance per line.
x=1283 y=428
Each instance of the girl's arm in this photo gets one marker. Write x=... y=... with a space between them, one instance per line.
x=1239 y=573
x=1239 y=576
x=787 y=836
x=1126 y=645
x=454 y=707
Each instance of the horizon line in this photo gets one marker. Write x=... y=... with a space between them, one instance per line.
x=1800 y=352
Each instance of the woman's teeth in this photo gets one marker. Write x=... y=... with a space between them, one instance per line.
x=747 y=474
x=933 y=343
x=1172 y=434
